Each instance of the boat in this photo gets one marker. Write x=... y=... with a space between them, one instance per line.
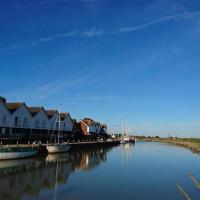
x=58 y=147
x=125 y=137
x=132 y=140
x=124 y=140
x=8 y=153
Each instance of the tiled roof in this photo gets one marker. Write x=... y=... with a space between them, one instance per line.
x=12 y=107
x=63 y=115
x=50 y=113
x=35 y=110
x=89 y=122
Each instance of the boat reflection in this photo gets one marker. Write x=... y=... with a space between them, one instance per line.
x=28 y=177
x=127 y=152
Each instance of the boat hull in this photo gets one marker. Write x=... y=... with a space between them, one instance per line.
x=16 y=155
x=58 y=148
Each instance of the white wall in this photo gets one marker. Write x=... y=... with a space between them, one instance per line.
x=4 y=116
x=67 y=124
x=52 y=121
x=24 y=117
x=40 y=121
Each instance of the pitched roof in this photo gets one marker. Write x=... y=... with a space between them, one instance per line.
x=50 y=113
x=88 y=121
x=63 y=115
x=35 y=110
x=12 y=107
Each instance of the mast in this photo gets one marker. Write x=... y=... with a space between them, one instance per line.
x=58 y=128
x=126 y=128
x=122 y=127
x=59 y=125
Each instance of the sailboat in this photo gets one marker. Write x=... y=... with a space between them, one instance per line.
x=58 y=147
x=125 y=138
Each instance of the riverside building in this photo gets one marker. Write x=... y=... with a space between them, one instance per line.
x=19 y=121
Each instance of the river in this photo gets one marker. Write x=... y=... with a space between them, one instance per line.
x=143 y=171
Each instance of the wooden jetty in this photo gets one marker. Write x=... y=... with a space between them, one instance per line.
x=74 y=145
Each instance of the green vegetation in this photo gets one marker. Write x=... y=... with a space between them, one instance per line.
x=192 y=143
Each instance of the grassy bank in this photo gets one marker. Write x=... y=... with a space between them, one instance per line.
x=191 y=143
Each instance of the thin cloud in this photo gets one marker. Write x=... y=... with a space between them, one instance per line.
x=43 y=40
x=55 y=88
x=46 y=91
x=94 y=32
x=154 y=22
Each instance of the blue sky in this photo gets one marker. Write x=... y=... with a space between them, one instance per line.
x=134 y=60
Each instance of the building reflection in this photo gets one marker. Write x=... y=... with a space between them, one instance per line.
x=30 y=176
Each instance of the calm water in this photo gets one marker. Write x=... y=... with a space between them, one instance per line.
x=140 y=172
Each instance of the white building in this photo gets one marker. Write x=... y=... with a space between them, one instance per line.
x=66 y=122
x=16 y=118
x=20 y=116
x=40 y=119
x=53 y=119
x=89 y=126
x=4 y=117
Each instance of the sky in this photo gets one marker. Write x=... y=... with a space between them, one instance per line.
x=110 y=60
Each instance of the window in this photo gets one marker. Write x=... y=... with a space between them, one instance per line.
x=4 y=119
x=37 y=123
x=52 y=125
x=3 y=131
x=43 y=124
x=25 y=122
x=17 y=121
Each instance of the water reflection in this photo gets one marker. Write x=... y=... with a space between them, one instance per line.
x=127 y=153
x=30 y=176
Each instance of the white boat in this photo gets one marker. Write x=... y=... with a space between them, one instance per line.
x=16 y=153
x=124 y=140
x=125 y=137
x=58 y=147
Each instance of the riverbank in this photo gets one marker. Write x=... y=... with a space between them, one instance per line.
x=191 y=143
x=74 y=145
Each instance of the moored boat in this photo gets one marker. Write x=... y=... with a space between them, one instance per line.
x=132 y=140
x=124 y=140
x=58 y=148
x=8 y=153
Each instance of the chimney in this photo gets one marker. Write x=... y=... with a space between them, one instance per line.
x=2 y=99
